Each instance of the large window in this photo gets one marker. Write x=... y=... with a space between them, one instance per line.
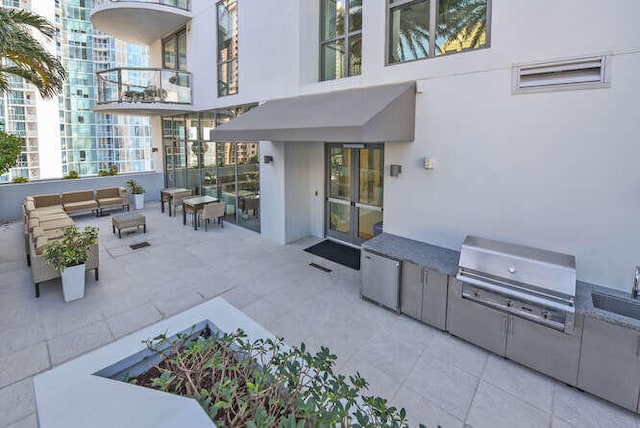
x=174 y=51
x=227 y=47
x=340 y=39
x=419 y=29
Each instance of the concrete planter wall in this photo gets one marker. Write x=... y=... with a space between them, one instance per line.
x=77 y=393
x=12 y=195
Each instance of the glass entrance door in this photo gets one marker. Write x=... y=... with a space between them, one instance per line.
x=354 y=191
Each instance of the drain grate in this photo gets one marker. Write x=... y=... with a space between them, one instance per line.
x=139 y=245
x=322 y=268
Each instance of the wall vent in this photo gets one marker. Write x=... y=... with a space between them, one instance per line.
x=579 y=73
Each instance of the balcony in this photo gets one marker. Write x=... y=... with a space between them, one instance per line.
x=143 y=91
x=140 y=21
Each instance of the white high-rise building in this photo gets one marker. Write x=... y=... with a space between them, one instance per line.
x=514 y=120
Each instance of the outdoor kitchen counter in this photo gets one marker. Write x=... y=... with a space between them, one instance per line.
x=432 y=257
x=584 y=305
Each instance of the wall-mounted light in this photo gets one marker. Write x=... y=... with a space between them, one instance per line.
x=154 y=150
x=268 y=159
x=395 y=170
x=429 y=162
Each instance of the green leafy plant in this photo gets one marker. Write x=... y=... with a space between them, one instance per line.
x=71 y=175
x=72 y=249
x=134 y=187
x=113 y=170
x=10 y=149
x=23 y=54
x=264 y=383
x=20 y=180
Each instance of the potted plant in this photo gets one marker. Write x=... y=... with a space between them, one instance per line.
x=138 y=193
x=68 y=255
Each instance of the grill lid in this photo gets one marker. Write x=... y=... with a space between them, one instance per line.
x=541 y=272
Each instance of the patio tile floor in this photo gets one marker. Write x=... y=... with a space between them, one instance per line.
x=438 y=378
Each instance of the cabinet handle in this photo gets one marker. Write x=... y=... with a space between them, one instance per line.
x=504 y=324
x=638 y=348
x=511 y=326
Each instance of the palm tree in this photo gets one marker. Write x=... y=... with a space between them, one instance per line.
x=22 y=55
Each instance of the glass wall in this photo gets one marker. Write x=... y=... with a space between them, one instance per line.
x=227 y=170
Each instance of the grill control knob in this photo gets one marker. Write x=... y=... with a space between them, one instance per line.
x=511 y=269
x=476 y=293
x=509 y=303
x=545 y=315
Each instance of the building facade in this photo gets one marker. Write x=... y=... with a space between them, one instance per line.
x=510 y=132
x=64 y=134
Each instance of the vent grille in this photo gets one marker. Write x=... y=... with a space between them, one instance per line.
x=579 y=73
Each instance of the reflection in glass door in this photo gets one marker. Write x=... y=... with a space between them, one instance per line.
x=354 y=191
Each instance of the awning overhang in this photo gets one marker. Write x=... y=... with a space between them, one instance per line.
x=364 y=115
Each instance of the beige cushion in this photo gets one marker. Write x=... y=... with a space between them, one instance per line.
x=29 y=206
x=111 y=192
x=56 y=224
x=80 y=206
x=46 y=200
x=105 y=202
x=79 y=196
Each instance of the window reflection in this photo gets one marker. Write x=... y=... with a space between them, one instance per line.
x=459 y=25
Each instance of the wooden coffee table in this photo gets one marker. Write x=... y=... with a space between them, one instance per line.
x=127 y=221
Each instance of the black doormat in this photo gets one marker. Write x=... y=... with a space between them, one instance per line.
x=338 y=253
x=139 y=245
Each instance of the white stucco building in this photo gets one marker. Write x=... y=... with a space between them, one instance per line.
x=526 y=112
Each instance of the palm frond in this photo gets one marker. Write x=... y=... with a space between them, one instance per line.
x=21 y=17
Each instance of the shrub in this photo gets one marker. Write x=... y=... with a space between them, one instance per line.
x=134 y=187
x=113 y=170
x=19 y=180
x=71 y=175
x=10 y=149
x=72 y=249
x=263 y=383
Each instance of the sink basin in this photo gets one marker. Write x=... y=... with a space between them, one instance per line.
x=618 y=305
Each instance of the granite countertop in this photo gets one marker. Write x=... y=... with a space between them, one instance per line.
x=584 y=305
x=432 y=257
x=445 y=261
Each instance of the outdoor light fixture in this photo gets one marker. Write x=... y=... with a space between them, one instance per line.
x=429 y=162
x=268 y=159
x=395 y=170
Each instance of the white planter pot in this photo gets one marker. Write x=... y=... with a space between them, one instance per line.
x=139 y=201
x=73 y=282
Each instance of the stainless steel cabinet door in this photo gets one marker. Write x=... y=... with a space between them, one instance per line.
x=610 y=362
x=434 y=299
x=546 y=350
x=411 y=289
x=380 y=279
x=476 y=323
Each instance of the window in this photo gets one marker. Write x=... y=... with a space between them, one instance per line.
x=340 y=39
x=174 y=51
x=227 y=47
x=578 y=73
x=418 y=29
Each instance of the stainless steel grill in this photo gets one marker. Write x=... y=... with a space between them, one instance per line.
x=535 y=284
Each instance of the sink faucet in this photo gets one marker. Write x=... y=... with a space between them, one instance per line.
x=636 y=280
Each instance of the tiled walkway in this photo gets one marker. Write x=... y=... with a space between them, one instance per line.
x=439 y=379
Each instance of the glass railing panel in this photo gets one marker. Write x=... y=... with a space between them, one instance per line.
x=179 y=4
x=143 y=85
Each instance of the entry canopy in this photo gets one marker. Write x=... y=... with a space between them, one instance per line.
x=363 y=115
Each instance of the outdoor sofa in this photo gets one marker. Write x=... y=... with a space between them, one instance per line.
x=44 y=223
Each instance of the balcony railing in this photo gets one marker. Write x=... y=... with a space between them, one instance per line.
x=180 y=4
x=143 y=85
